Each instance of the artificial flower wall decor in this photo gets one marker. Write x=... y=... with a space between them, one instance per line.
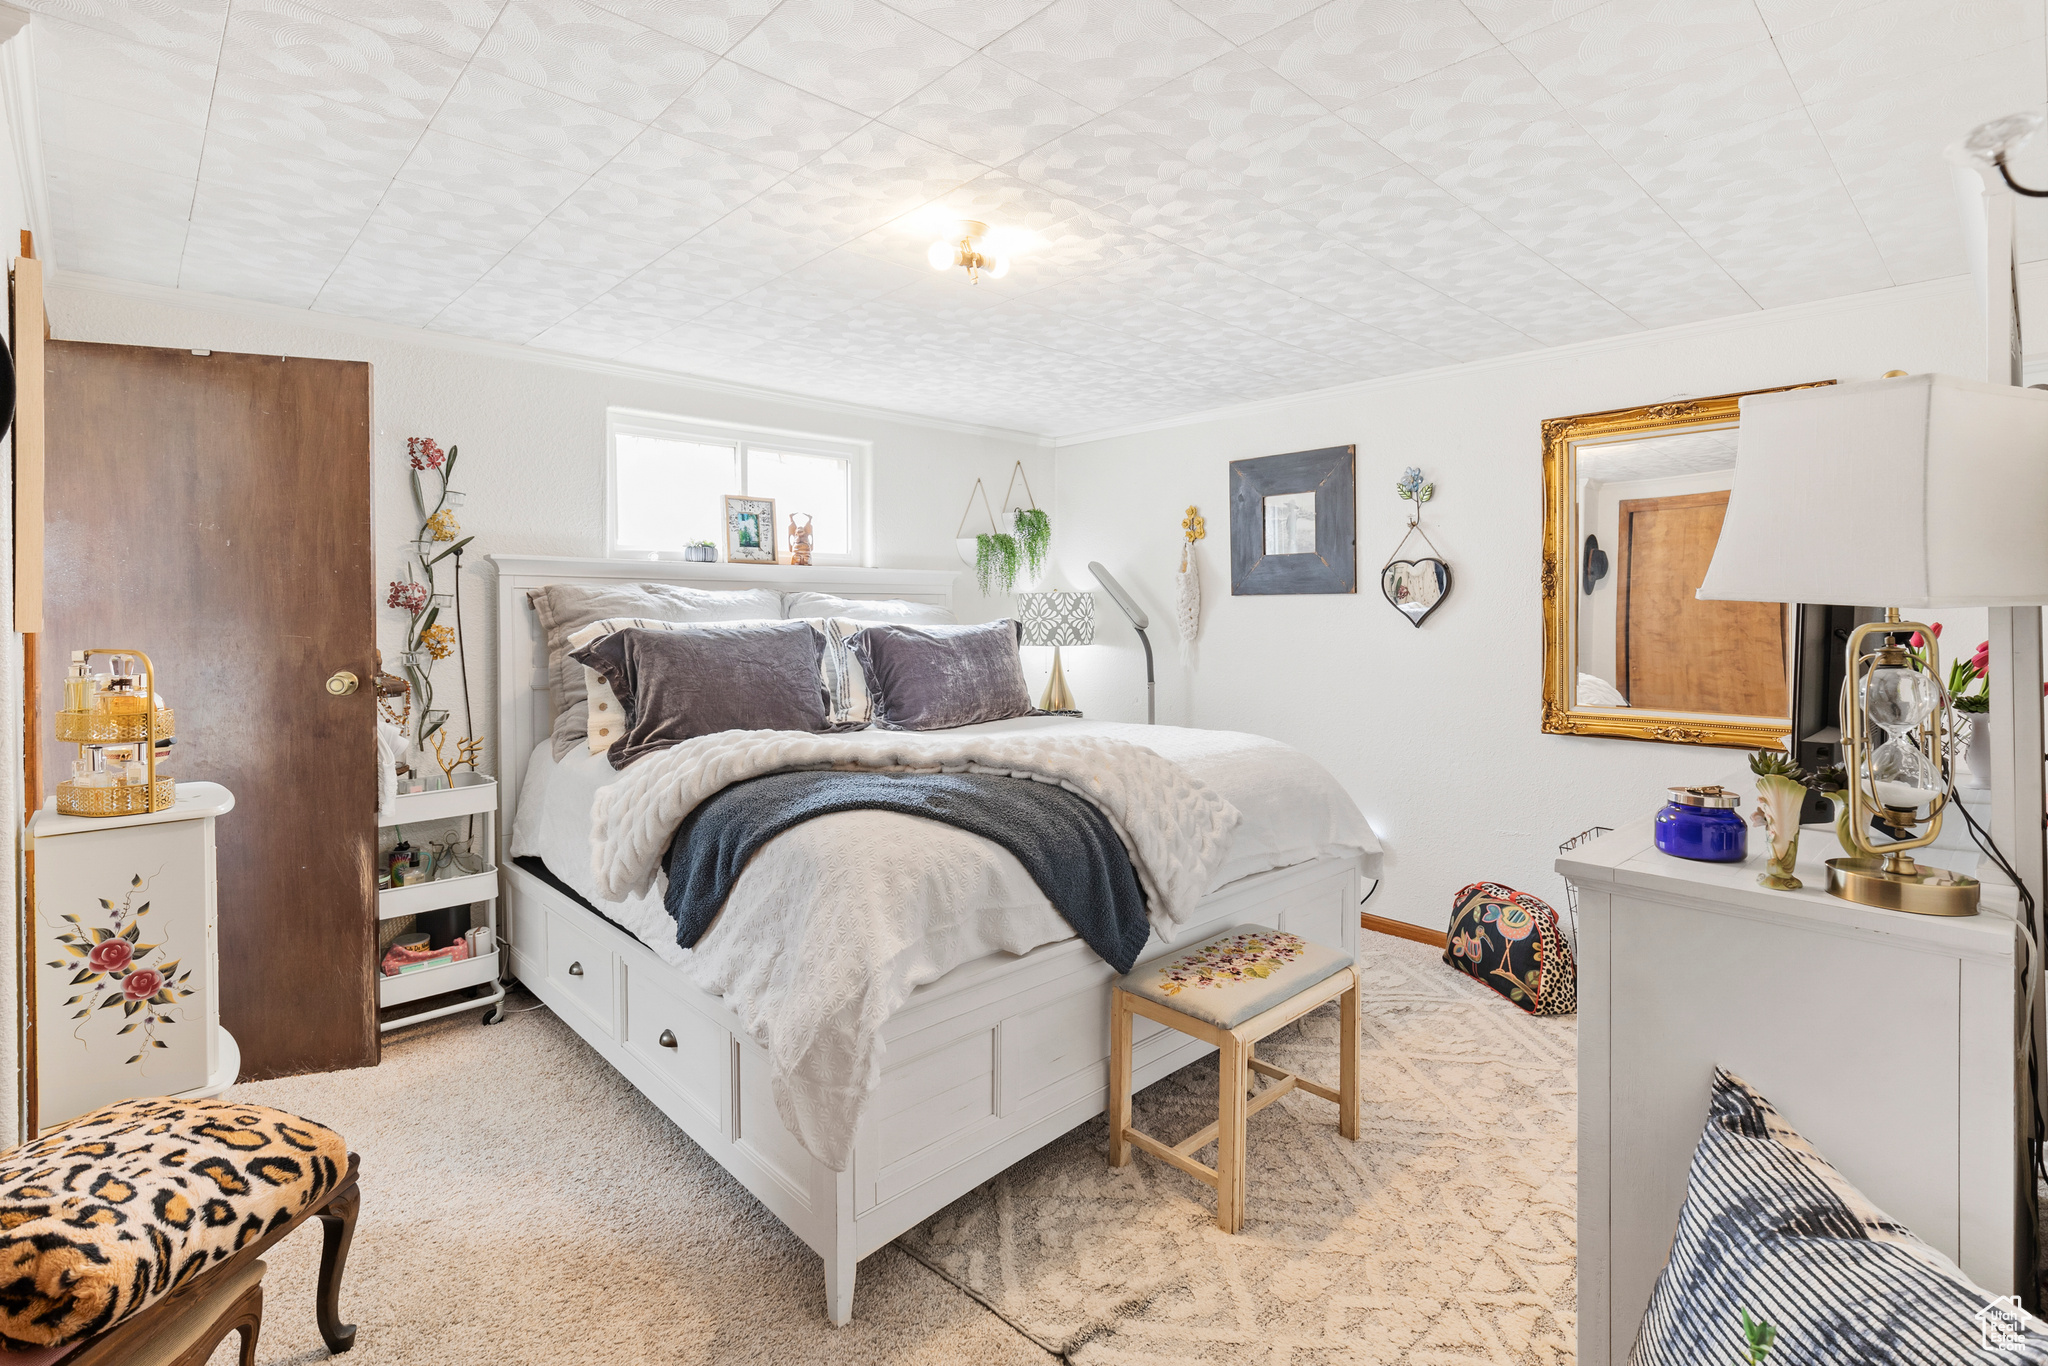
x=429 y=638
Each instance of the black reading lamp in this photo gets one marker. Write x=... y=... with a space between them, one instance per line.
x=1138 y=619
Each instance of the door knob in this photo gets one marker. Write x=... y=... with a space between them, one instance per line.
x=667 y=1039
x=575 y=969
x=342 y=684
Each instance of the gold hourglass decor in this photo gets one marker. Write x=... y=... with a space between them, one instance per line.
x=119 y=723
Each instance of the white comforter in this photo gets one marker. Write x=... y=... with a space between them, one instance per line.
x=834 y=923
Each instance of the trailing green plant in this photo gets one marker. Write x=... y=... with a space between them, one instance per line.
x=996 y=560
x=1034 y=535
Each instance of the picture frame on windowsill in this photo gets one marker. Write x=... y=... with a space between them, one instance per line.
x=749 y=530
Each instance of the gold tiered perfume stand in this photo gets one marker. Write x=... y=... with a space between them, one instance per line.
x=120 y=799
x=95 y=728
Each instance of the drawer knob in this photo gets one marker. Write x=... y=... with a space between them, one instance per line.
x=575 y=969
x=667 y=1039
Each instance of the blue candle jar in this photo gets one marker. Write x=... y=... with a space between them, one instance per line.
x=1703 y=823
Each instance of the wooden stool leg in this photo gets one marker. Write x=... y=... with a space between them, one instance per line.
x=1230 y=1120
x=337 y=1231
x=1119 y=1078
x=1347 y=1061
x=251 y=1326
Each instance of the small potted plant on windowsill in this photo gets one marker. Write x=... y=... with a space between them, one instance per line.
x=701 y=551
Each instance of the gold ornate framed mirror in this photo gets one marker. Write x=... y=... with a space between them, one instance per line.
x=1632 y=507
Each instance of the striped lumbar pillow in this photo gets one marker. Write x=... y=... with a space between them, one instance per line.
x=1771 y=1230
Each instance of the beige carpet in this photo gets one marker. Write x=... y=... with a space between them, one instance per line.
x=522 y=1204
x=1445 y=1234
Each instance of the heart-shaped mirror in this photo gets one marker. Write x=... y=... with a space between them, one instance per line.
x=1416 y=587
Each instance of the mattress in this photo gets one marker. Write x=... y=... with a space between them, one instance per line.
x=1293 y=811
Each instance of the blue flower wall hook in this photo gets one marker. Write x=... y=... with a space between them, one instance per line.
x=1416 y=588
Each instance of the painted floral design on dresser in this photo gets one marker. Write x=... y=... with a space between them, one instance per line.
x=115 y=968
x=1229 y=961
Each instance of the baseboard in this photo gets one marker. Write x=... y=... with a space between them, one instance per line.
x=1401 y=929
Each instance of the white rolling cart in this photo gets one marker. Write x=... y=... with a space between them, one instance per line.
x=473 y=795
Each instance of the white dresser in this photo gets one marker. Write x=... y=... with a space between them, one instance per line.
x=124 y=903
x=1889 y=1040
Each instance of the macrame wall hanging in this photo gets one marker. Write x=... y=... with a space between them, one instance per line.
x=1418 y=587
x=1187 y=586
x=1001 y=557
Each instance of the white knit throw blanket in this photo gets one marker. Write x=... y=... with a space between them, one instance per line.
x=1176 y=828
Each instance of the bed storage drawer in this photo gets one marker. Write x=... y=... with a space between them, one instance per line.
x=581 y=966
x=689 y=1050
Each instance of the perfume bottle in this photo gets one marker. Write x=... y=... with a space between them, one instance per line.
x=78 y=684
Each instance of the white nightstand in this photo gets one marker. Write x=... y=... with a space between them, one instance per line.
x=148 y=882
x=1891 y=1041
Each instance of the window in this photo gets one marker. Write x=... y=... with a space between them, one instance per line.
x=668 y=478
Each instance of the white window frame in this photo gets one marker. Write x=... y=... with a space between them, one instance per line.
x=743 y=437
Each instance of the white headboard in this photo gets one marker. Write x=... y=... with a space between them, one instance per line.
x=524 y=717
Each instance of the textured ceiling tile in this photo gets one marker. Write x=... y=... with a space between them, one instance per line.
x=859 y=54
x=128 y=247
x=1626 y=42
x=72 y=124
x=605 y=206
x=1314 y=159
x=986 y=111
x=895 y=171
x=969 y=22
x=679 y=168
x=1785 y=15
x=832 y=284
x=691 y=349
x=1508 y=19
x=84 y=187
x=436 y=221
x=1243 y=20
x=592 y=332
x=275 y=218
x=564 y=245
x=313 y=53
x=1216 y=112
x=528 y=121
x=1351 y=50
x=740 y=111
x=1105 y=53
x=190 y=28
x=805 y=210
x=224 y=260
x=300 y=122
x=98 y=66
x=234 y=163
x=519 y=298
x=1893 y=45
x=397 y=282
x=1730 y=92
x=593 y=56
x=1104 y=162
x=1482 y=96
x=690 y=278
x=488 y=174
x=1348 y=281
x=755 y=246
x=451 y=26
x=714 y=25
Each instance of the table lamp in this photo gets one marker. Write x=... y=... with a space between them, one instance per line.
x=1908 y=491
x=1056 y=619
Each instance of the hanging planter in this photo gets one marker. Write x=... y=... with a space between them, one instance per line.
x=1000 y=558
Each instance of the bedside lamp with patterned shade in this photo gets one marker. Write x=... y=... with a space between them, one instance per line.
x=1056 y=619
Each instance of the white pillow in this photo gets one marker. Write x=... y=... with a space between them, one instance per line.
x=839 y=674
x=817 y=605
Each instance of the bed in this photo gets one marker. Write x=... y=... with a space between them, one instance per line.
x=980 y=1067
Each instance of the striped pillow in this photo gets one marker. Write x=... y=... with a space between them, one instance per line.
x=846 y=692
x=1771 y=1229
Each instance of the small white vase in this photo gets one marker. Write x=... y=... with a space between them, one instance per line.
x=1977 y=758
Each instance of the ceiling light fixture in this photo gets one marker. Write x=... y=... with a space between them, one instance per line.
x=962 y=247
x=1998 y=139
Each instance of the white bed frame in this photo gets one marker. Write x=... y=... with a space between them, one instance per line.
x=984 y=1066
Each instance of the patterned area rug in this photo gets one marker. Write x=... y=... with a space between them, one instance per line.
x=1445 y=1234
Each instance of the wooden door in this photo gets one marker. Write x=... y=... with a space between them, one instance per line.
x=1674 y=652
x=215 y=511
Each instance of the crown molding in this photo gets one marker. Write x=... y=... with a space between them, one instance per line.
x=511 y=351
x=24 y=128
x=1735 y=322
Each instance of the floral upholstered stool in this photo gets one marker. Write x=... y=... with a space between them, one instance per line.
x=1232 y=991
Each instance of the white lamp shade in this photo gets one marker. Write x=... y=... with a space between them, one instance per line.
x=1052 y=618
x=1921 y=491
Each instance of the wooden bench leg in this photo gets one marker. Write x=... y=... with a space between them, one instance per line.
x=252 y=1324
x=244 y=1316
x=1230 y=1124
x=337 y=1231
x=1119 y=1079
x=1347 y=1061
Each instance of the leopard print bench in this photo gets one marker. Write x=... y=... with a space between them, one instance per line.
x=135 y=1203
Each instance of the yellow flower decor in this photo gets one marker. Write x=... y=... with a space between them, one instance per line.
x=444 y=527
x=439 y=640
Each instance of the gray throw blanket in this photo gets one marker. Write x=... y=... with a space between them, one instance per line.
x=1070 y=849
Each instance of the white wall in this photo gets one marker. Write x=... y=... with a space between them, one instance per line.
x=1436 y=731
x=532 y=435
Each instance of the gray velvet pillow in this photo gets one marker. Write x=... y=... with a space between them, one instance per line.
x=678 y=685
x=566 y=608
x=938 y=677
